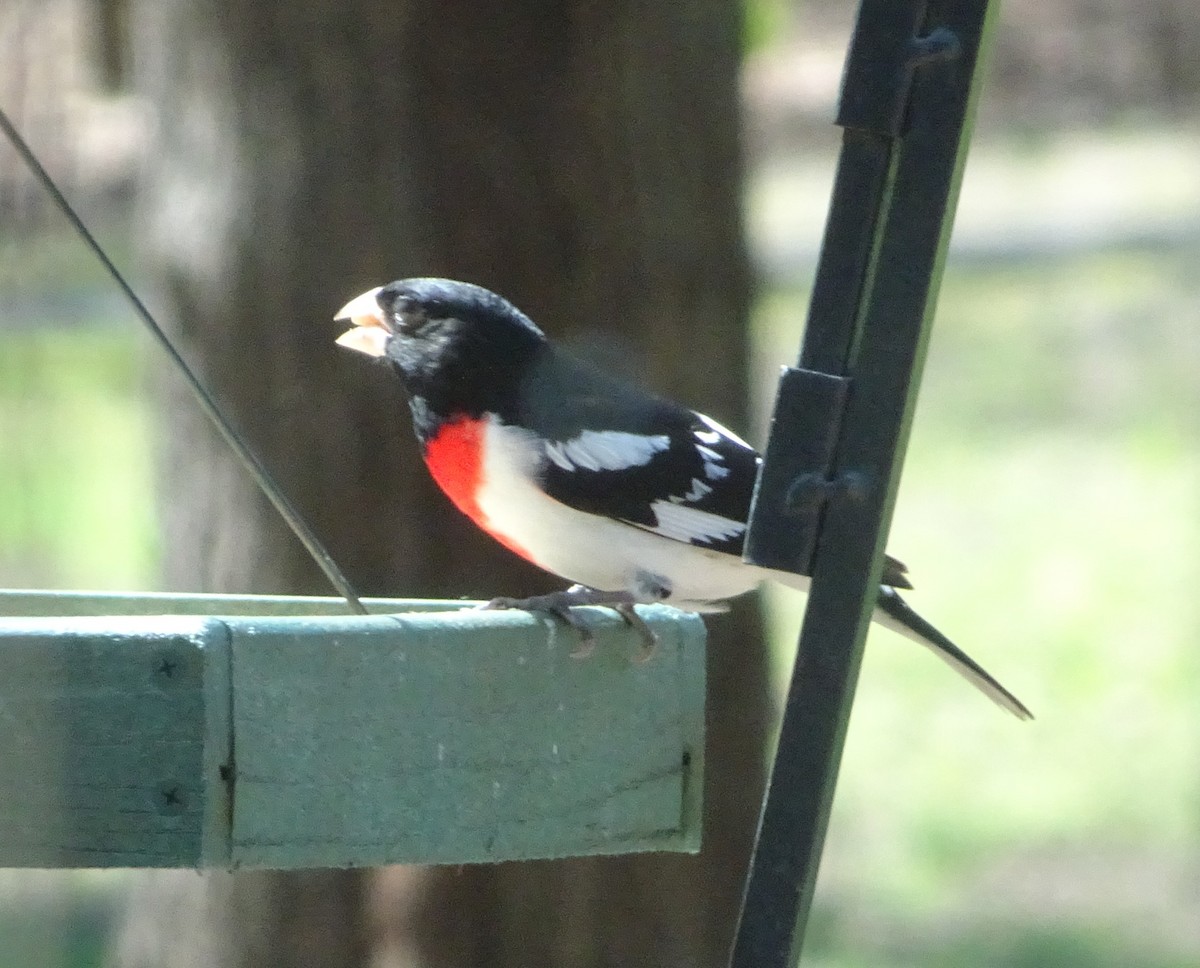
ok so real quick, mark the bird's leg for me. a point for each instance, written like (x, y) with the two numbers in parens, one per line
(559, 605)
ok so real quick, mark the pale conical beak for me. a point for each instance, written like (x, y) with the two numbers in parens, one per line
(366, 339)
(363, 310)
(370, 333)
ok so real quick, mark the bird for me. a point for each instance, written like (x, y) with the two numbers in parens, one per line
(633, 498)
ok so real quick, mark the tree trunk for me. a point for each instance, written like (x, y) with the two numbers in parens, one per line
(581, 159)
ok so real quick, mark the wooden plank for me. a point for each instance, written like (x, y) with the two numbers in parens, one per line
(102, 760)
(426, 741)
(431, 737)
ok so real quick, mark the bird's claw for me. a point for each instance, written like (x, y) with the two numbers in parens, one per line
(553, 606)
(638, 624)
(558, 605)
(587, 644)
(497, 604)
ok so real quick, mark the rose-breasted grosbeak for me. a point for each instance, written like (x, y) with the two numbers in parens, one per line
(632, 496)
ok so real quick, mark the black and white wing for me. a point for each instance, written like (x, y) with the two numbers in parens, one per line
(615, 451)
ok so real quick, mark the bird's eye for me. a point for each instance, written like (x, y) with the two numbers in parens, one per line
(408, 315)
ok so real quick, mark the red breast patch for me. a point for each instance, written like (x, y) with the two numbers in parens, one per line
(454, 456)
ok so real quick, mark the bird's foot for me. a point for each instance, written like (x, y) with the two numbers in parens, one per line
(559, 604)
(638, 624)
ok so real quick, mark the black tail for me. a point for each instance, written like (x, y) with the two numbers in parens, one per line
(893, 611)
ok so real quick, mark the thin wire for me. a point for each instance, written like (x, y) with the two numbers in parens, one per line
(248, 457)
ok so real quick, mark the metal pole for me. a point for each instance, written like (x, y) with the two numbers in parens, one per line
(824, 499)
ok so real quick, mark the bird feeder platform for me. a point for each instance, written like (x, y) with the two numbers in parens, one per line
(254, 731)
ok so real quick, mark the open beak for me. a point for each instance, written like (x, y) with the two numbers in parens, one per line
(370, 332)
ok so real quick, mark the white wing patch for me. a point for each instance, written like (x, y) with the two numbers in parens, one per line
(685, 523)
(714, 464)
(714, 428)
(698, 491)
(606, 450)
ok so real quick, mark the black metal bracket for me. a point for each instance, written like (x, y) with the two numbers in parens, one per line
(800, 451)
(824, 498)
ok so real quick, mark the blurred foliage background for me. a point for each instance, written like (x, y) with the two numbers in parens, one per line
(1049, 509)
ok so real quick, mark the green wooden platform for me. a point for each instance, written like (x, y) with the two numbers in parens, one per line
(220, 731)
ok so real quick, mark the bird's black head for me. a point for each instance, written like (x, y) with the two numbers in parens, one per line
(458, 348)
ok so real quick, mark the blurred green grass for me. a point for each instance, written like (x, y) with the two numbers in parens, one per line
(76, 489)
(76, 479)
(56, 919)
